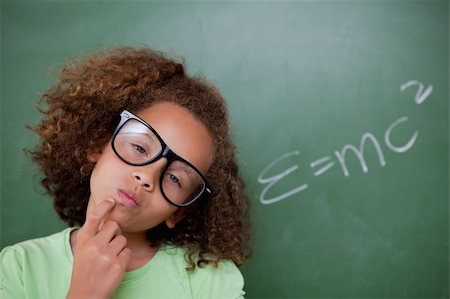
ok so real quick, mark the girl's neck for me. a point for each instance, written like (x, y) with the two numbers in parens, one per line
(141, 251)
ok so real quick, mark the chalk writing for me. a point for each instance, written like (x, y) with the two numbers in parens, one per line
(420, 96)
(276, 178)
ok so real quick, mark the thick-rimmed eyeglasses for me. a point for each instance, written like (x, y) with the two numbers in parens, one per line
(136, 143)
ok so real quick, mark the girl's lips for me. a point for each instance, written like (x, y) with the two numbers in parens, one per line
(127, 198)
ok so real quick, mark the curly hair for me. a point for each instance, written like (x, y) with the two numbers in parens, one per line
(80, 114)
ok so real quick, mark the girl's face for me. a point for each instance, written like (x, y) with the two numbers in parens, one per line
(113, 178)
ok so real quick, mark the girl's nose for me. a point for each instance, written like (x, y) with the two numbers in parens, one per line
(148, 175)
(143, 179)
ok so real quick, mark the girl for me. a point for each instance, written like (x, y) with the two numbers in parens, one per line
(139, 162)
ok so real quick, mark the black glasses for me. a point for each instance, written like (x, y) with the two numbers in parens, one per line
(136, 143)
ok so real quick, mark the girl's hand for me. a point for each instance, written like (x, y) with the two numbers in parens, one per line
(100, 256)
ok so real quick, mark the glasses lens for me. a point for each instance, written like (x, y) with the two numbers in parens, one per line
(181, 183)
(136, 143)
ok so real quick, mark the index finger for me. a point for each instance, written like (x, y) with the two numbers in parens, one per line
(93, 220)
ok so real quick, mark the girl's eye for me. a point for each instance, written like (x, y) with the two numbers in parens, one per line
(139, 149)
(173, 179)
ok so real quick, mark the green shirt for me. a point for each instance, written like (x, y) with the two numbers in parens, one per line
(41, 268)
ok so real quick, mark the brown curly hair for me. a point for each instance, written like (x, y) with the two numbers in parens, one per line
(80, 114)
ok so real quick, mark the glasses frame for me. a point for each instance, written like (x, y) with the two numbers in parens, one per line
(165, 152)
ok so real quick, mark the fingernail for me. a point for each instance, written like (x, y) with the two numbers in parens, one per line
(110, 200)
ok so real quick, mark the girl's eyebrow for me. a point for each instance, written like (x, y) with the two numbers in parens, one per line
(134, 127)
(149, 137)
(138, 128)
(189, 172)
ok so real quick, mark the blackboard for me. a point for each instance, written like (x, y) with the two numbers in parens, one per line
(340, 111)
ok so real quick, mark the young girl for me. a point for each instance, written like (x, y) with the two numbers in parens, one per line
(139, 162)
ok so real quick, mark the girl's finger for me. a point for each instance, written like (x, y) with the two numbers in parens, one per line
(109, 230)
(124, 257)
(118, 244)
(91, 226)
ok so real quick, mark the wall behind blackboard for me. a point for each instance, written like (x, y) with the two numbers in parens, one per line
(339, 109)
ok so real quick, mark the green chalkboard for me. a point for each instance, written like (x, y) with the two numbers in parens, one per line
(340, 111)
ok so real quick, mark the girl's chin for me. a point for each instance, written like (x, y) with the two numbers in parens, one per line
(118, 215)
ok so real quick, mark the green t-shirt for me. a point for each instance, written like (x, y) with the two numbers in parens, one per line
(41, 268)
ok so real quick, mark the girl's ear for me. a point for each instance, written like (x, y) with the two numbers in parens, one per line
(94, 157)
(175, 218)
